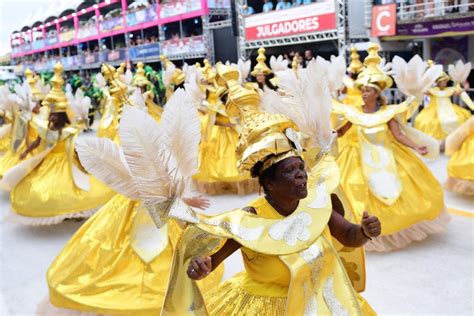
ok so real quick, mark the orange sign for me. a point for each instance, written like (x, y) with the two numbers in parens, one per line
(384, 20)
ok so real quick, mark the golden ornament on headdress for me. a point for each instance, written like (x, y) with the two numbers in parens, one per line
(356, 65)
(56, 98)
(32, 81)
(263, 137)
(116, 87)
(178, 75)
(121, 69)
(140, 79)
(261, 67)
(372, 75)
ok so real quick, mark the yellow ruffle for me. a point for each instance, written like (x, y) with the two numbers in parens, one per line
(429, 123)
(243, 296)
(49, 190)
(461, 169)
(421, 197)
(98, 270)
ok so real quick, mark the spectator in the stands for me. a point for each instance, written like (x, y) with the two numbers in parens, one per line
(307, 1)
(308, 56)
(267, 6)
(296, 3)
(248, 10)
(282, 4)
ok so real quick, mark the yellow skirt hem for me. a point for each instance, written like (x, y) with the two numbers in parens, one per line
(45, 221)
(403, 238)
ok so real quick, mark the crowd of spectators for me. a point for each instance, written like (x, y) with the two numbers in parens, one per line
(135, 41)
(270, 5)
(409, 9)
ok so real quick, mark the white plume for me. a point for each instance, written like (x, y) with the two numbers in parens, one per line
(415, 77)
(168, 74)
(137, 100)
(334, 71)
(181, 128)
(459, 71)
(101, 82)
(127, 77)
(22, 97)
(194, 91)
(142, 143)
(6, 102)
(79, 103)
(243, 66)
(278, 64)
(105, 160)
(43, 88)
(386, 67)
(310, 100)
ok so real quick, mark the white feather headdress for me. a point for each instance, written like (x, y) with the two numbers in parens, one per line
(415, 77)
(23, 97)
(459, 71)
(79, 103)
(278, 64)
(243, 66)
(308, 101)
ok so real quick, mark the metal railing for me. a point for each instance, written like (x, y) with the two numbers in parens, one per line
(435, 8)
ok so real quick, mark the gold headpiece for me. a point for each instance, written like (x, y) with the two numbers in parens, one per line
(264, 138)
(56, 98)
(261, 67)
(178, 75)
(32, 81)
(356, 65)
(373, 75)
(121, 69)
(140, 79)
(443, 76)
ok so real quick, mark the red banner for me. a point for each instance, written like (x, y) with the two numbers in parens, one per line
(311, 18)
(384, 20)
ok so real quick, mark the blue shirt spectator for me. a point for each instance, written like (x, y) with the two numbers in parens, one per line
(297, 3)
(267, 6)
(248, 10)
(281, 5)
(307, 1)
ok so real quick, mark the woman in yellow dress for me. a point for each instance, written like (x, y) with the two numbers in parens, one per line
(109, 121)
(51, 186)
(460, 146)
(6, 115)
(381, 173)
(441, 117)
(118, 262)
(291, 267)
(218, 173)
(140, 81)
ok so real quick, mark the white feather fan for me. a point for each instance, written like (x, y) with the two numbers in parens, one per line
(308, 101)
(127, 77)
(195, 93)
(44, 88)
(168, 74)
(105, 160)
(181, 130)
(79, 103)
(6, 102)
(334, 71)
(243, 67)
(100, 80)
(459, 71)
(22, 97)
(415, 77)
(137, 100)
(278, 63)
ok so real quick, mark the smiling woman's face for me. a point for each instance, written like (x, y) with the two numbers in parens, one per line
(289, 180)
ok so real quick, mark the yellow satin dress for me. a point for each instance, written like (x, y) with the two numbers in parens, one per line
(5, 143)
(11, 159)
(461, 165)
(218, 171)
(262, 289)
(108, 126)
(99, 271)
(49, 191)
(353, 98)
(441, 117)
(420, 196)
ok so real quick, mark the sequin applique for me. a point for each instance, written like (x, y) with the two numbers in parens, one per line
(292, 228)
(332, 302)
